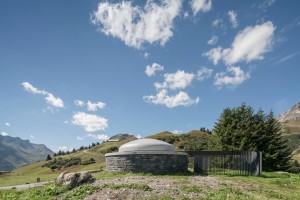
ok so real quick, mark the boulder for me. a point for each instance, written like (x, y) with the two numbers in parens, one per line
(74, 179)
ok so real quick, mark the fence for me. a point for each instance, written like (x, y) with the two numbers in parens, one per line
(228, 162)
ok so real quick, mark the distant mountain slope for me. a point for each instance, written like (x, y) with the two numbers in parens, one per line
(16, 152)
(120, 137)
(290, 121)
(290, 115)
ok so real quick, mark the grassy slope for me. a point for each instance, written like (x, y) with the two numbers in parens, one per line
(29, 173)
(268, 186)
(292, 133)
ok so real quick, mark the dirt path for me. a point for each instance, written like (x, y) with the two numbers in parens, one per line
(192, 187)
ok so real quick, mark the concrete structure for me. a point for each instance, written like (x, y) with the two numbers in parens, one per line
(147, 156)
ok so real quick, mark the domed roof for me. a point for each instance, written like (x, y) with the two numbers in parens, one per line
(146, 145)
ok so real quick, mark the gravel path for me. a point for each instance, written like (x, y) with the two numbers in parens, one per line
(191, 187)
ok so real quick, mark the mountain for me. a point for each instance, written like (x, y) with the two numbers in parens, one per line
(120, 137)
(16, 152)
(290, 121)
(291, 115)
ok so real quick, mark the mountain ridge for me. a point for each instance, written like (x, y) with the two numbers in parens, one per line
(292, 114)
(16, 152)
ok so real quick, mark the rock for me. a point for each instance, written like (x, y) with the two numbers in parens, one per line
(74, 179)
(291, 114)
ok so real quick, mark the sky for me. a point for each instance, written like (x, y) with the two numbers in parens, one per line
(77, 72)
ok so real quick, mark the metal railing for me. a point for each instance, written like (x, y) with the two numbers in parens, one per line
(228, 162)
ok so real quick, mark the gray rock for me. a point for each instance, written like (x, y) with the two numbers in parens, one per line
(74, 179)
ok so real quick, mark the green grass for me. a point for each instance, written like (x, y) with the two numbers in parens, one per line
(143, 187)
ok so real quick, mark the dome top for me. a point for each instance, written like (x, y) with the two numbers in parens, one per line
(146, 145)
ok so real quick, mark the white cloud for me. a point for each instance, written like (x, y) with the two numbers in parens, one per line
(151, 69)
(135, 25)
(177, 80)
(176, 131)
(91, 123)
(201, 5)
(102, 137)
(215, 54)
(4, 134)
(7, 124)
(232, 15)
(65, 148)
(185, 15)
(50, 99)
(204, 73)
(250, 44)
(146, 55)
(266, 4)
(213, 40)
(95, 106)
(66, 122)
(162, 98)
(31, 136)
(79, 103)
(217, 22)
(232, 77)
(138, 136)
(28, 87)
(79, 138)
(54, 101)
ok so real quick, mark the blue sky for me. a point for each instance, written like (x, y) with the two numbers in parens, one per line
(77, 72)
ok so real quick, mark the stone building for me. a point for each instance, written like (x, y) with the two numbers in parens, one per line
(147, 156)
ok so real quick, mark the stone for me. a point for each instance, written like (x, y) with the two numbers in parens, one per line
(74, 179)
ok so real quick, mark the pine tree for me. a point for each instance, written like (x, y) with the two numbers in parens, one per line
(48, 157)
(242, 129)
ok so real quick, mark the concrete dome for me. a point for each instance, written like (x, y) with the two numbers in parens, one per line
(142, 145)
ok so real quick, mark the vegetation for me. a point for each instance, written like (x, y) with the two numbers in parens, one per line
(242, 129)
(268, 186)
(48, 157)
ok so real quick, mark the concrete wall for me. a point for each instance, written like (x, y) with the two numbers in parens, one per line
(147, 163)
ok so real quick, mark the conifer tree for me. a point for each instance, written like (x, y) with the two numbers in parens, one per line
(242, 129)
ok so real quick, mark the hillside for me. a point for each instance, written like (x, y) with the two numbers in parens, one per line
(292, 134)
(290, 121)
(16, 152)
(30, 172)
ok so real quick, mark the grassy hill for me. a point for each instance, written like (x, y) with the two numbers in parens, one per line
(292, 134)
(31, 172)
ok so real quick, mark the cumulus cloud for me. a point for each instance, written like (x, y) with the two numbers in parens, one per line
(232, 15)
(250, 44)
(233, 76)
(136, 25)
(204, 73)
(102, 137)
(91, 123)
(4, 134)
(162, 98)
(178, 80)
(79, 103)
(201, 6)
(7, 124)
(151, 69)
(50, 98)
(95, 106)
(213, 40)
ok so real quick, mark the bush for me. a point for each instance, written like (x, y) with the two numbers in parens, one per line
(87, 162)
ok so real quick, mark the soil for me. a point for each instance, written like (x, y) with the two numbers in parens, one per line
(191, 187)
